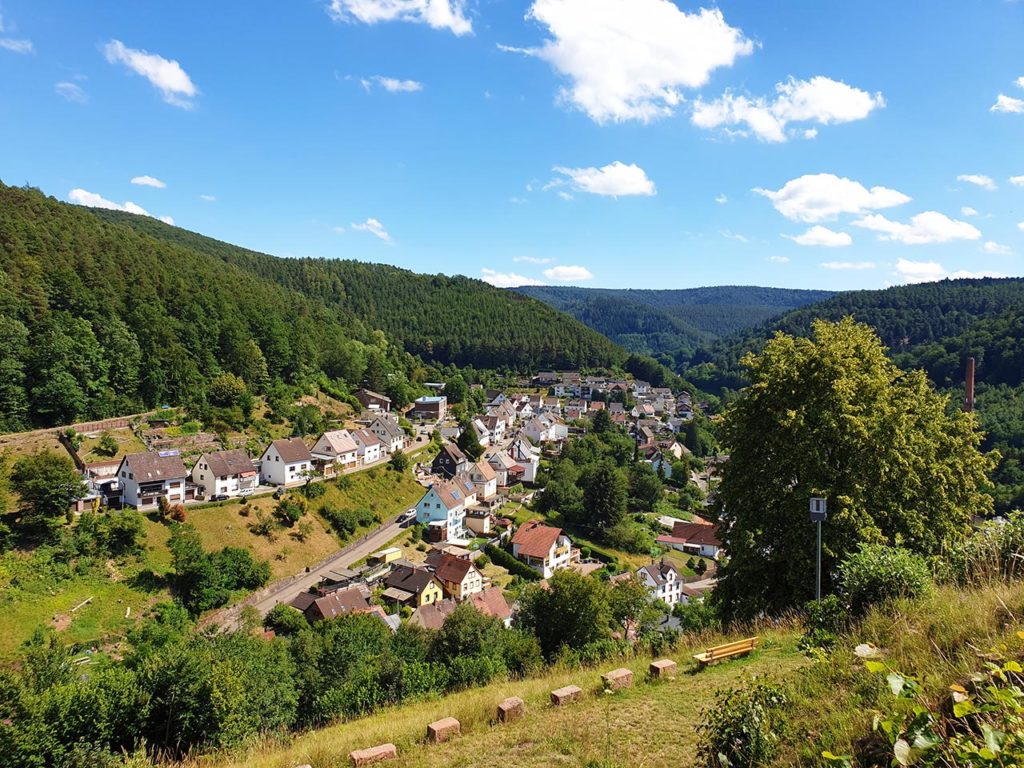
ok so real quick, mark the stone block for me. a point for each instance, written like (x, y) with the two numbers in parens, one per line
(511, 709)
(442, 730)
(618, 679)
(566, 695)
(663, 669)
(372, 755)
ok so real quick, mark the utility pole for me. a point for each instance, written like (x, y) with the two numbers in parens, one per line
(818, 514)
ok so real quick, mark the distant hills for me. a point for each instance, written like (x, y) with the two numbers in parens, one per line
(673, 323)
(102, 312)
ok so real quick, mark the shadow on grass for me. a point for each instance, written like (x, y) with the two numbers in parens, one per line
(148, 581)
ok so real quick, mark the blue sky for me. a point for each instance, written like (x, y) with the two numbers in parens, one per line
(608, 143)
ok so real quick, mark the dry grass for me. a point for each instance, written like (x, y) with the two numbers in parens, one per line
(650, 725)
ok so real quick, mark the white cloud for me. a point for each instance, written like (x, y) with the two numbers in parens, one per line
(566, 274)
(1017, 181)
(929, 271)
(847, 265)
(17, 46)
(1008, 104)
(823, 236)
(1021, 226)
(148, 181)
(439, 14)
(978, 180)
(392, 85)
(924, 229)
(565, 195)
(339, 230)
(71, 92)
(1019, 81)
(968, 211)
(778, 259)
(728, 234)
(167, 220)
(629, 59)
(997, 248)
(823, 196)
(375, 228)
(721, 199)
(819, 100)
(531, 260)
(506, 279)
(93, 200)
(165, 75)
(614, 180)
(207, 198)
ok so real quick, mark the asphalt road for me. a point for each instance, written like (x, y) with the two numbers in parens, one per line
(287, 589)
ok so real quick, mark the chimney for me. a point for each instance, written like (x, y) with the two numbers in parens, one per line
(969, 391)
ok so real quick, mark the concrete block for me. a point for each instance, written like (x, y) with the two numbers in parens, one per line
(618, 679)
(663, 669)
(566, 695)
(511, 709)
(372, 755)
(441, 730)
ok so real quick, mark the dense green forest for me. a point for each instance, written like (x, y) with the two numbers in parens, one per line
(454, 320)
(99, 318)
(672, 322)
(934, 327)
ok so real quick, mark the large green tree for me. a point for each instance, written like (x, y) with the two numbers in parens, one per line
(832, 416)
(571, 611)
(46, 483)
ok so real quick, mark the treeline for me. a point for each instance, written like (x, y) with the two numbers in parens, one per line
(439, 318)
(907, 318)
(672, 322)
(99, 319)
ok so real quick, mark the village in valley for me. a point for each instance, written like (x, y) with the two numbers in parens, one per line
(474, 534)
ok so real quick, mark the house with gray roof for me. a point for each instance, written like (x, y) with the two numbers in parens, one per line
(145, 478)
(227, 473)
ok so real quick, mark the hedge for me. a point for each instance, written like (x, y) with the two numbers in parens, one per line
(509, 563)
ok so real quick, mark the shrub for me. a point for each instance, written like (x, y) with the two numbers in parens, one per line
(510, 564)
(993, 551)
(825, 619)
(742, 727)
(697, 615)
(285, 620)
(877, 572)
(399, 461)
(290, 510)
(314, 490)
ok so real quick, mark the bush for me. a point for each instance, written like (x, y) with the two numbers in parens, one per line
(630, 537)
(697, 615)
(742, 727)
(510, 564)
(285, 620)
(876, 573)
(290, 510)
(993, 551)
(314, 490)
(399, 461)
(825, 619)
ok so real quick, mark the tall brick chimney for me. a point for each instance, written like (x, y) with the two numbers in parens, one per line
(969, 390)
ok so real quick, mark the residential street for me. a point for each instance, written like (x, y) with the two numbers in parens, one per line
(285, 590)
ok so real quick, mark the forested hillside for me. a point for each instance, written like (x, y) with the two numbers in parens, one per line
(450, 319)
(98, 318)
(934, 327)
(672, 322)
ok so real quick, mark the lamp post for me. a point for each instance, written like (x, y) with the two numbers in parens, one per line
(819, 512)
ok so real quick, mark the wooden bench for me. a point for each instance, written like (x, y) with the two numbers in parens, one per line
(719, 652)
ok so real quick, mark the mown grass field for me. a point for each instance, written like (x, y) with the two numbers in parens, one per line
(651, 725)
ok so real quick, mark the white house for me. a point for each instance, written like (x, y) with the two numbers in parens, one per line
(145, 478)
(391, 435)
(460, 578)
(536, 430)
(337, 447)
(527, 457)
(485, 480)
(483, 434)
(502, 464)
(369, 446)
(698, 538)
(543, 548)
(225, 473)
(663, 580)
(286, 462)
(444, 504)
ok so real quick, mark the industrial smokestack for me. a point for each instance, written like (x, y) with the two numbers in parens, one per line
(969, 390)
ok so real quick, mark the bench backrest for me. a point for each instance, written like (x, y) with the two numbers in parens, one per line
(734, 647)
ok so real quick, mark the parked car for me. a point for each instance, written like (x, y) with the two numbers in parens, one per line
(219, 497)
(407, 518)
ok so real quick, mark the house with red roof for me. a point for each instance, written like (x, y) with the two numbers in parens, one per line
(542, 547)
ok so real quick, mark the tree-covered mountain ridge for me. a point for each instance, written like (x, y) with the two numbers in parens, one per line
(672, 322)
(102, 313)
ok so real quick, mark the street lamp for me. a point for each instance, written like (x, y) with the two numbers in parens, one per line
(819, 512)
